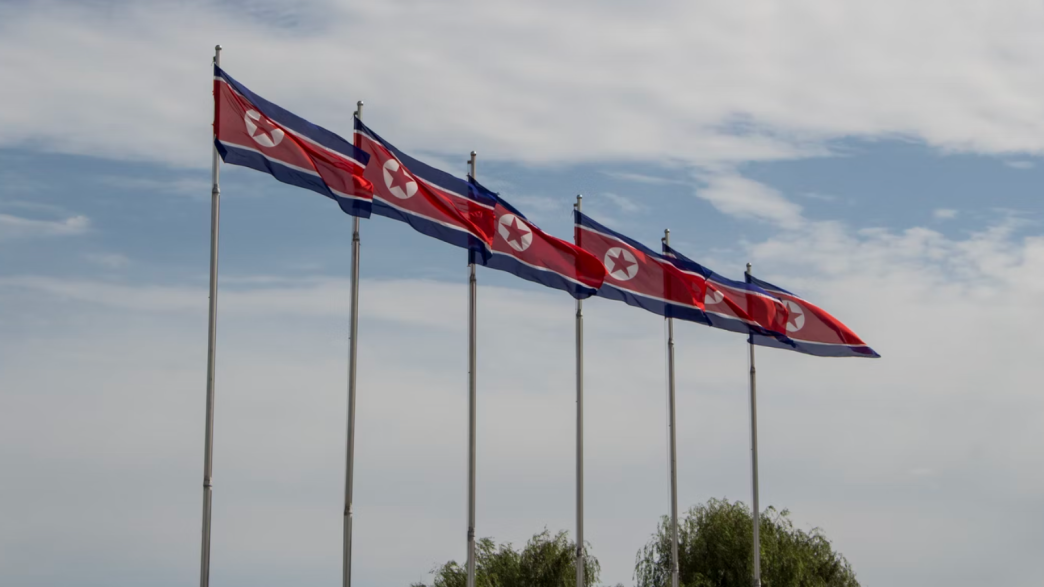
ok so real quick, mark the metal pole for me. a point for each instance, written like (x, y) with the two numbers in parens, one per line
(674, 449)
(353, 339)
(472, 400)
(208, 442)
(754, 457)
(580, 579)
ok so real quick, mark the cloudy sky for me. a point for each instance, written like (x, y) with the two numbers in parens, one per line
(881, 159)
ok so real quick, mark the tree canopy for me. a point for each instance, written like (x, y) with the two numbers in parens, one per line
(715, 550)
(546, 561)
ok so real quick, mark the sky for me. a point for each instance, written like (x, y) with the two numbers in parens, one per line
(880, 159)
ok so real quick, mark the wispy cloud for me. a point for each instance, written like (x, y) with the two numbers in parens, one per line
(542, 208)
(1021, 164)
(108, 260)
(197, 187)
(275, 296)
(820, 197)
(49, 209)
(542, 204)
(742, 197)
(623, 203)
(944, 213)
(642, 178)
(12, 227)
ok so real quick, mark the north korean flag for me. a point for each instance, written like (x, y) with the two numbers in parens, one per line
(433, 202)
(638, 276)
(733, 305)
(521, 248)
(253, 132)
(810, 329)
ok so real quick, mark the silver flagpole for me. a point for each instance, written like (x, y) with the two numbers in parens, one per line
(580, 579)
(472, 400)
(674, 450)
(208, 442)
(754, 457)
(353, 339)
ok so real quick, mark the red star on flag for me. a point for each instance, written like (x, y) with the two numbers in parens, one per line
(516, 231)
(401, 178)
(620, 263)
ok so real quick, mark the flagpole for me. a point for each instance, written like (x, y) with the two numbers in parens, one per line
(472, 400)
(580, 579)
(353, 339)
(208, 442)
(754, 455)
(673, 441)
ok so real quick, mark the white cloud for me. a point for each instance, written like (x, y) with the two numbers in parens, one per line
(742, 197)
(106, 376)
(878, 453)
(692, 82)
(12, 227)
(944, 213)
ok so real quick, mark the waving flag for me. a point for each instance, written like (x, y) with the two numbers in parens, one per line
(520, 247)
(253, 132)
(810, 329)
(734, 305)
(433, 202)
(638, 276)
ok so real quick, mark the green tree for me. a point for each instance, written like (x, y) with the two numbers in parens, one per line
(715, 550)
(546, 561)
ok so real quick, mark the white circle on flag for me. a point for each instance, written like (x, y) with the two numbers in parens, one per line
(796, 318)
(621, 263)
(515, 232)
(398, 180)
(713, 296)
(265, 139)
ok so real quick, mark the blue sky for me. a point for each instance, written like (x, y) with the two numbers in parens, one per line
(883, 161)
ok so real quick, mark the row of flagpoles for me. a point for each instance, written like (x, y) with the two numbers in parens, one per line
(369, 175)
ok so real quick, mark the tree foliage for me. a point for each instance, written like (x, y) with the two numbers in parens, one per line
(546, 561)
(715, 551)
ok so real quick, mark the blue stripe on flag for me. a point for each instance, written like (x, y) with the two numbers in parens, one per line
(545, 277)
(288, 175)
(455, 236)
(814, 349)
(665, 309)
